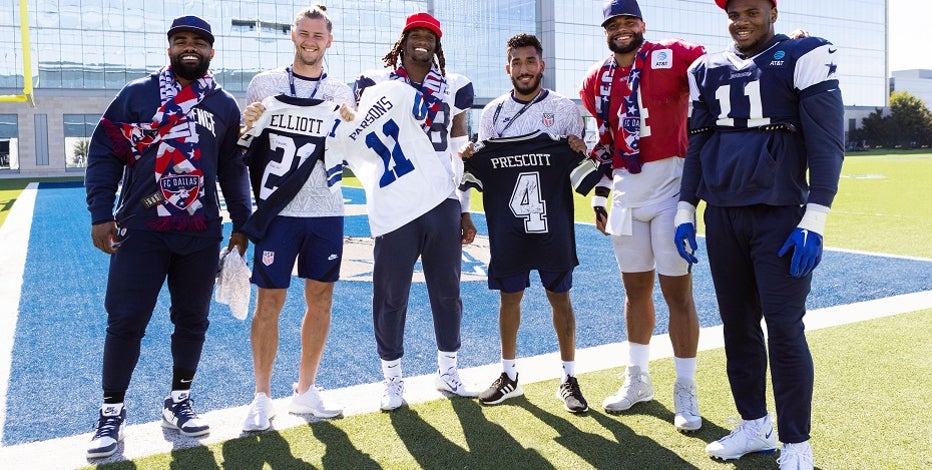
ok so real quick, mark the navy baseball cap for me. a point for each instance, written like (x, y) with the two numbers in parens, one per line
(191, 24)
(614, 8)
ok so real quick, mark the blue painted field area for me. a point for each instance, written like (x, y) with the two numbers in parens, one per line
(54, 388)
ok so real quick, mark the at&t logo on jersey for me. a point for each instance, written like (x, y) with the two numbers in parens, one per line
(778, 59)
(662, 59)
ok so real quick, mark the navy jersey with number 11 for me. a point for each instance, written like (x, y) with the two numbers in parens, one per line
(526, 184)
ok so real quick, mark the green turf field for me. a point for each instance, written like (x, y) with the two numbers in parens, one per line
(872, 408)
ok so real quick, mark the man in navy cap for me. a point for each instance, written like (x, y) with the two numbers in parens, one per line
(765, 153)
(639, 96)
(171, 137)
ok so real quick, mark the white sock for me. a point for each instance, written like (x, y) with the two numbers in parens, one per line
(569, 370)
(510, 367)
(639, 355)
(685, 369)
(446, 360)
(391, 368)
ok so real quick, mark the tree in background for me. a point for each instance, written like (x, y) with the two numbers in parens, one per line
(908, 124)
(80, 152)
(911, 120)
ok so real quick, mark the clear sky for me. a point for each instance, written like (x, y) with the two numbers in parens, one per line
(908, 23)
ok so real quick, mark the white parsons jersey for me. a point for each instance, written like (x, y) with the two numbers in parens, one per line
(314, 199)
(549, 112)
(387, 149)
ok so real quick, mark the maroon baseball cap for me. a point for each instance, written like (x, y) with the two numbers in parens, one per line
(723, 3)
(423, 20)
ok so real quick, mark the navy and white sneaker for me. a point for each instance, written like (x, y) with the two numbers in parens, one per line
(109, 433)
(178, 413)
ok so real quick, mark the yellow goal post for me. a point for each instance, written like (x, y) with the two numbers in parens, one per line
(27, 60)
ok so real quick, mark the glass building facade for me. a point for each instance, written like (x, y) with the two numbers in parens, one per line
(83, 51)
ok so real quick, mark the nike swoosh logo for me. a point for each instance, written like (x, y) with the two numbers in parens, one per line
(768, 434)
(185, 381)
(832, 51)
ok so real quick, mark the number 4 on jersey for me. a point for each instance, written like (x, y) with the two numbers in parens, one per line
(526, 203)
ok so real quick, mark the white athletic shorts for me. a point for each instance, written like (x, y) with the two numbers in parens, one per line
(650, 245)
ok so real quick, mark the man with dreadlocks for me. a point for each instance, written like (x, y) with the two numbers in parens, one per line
(436, 235)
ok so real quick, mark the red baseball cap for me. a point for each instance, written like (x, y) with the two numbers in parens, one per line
(723, 3)
(423, 20)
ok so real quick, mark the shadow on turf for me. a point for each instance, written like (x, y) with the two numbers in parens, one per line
(489, 444)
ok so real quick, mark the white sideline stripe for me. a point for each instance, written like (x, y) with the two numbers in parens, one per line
(147, 439)
(14, 238)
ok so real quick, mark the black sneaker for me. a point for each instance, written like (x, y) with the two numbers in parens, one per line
(572, 397)
(181, 416)
(502, 389)
(109, 432)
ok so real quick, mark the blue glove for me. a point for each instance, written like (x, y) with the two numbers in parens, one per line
(807, 251)
(686, 236)
(685, 223)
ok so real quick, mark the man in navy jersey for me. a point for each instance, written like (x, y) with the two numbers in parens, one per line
(765, 111)
(639, 96)
(527, 108)
(306, 222)
(437, 236)
(171, 137)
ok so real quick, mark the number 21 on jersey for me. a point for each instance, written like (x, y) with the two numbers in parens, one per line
(527, 204)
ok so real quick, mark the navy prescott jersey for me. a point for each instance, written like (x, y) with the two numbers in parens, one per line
(282, 148)
(759, 123)
(526, 183)
(387, 149)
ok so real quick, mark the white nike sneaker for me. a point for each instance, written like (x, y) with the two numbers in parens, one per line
(686, 405)
(393, 397)
(747, 437)
(449, 381)
(796, 456)
(260, 414)
(310, 402)
(637, 388)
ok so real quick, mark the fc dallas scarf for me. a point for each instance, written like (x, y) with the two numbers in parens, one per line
(628, 151)
(178, 172)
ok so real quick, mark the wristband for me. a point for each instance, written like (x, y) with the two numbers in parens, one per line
(685, 214)
(814, 218)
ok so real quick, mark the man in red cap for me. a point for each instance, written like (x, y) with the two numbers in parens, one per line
(435, 236)
(639, 96)
(765, 153)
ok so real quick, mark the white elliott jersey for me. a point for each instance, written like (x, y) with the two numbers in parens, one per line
(387, 149)
(314, 199)
(553, 113)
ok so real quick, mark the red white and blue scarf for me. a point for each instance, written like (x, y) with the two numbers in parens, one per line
(628, 151)
(178, 173)
(434, 88)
